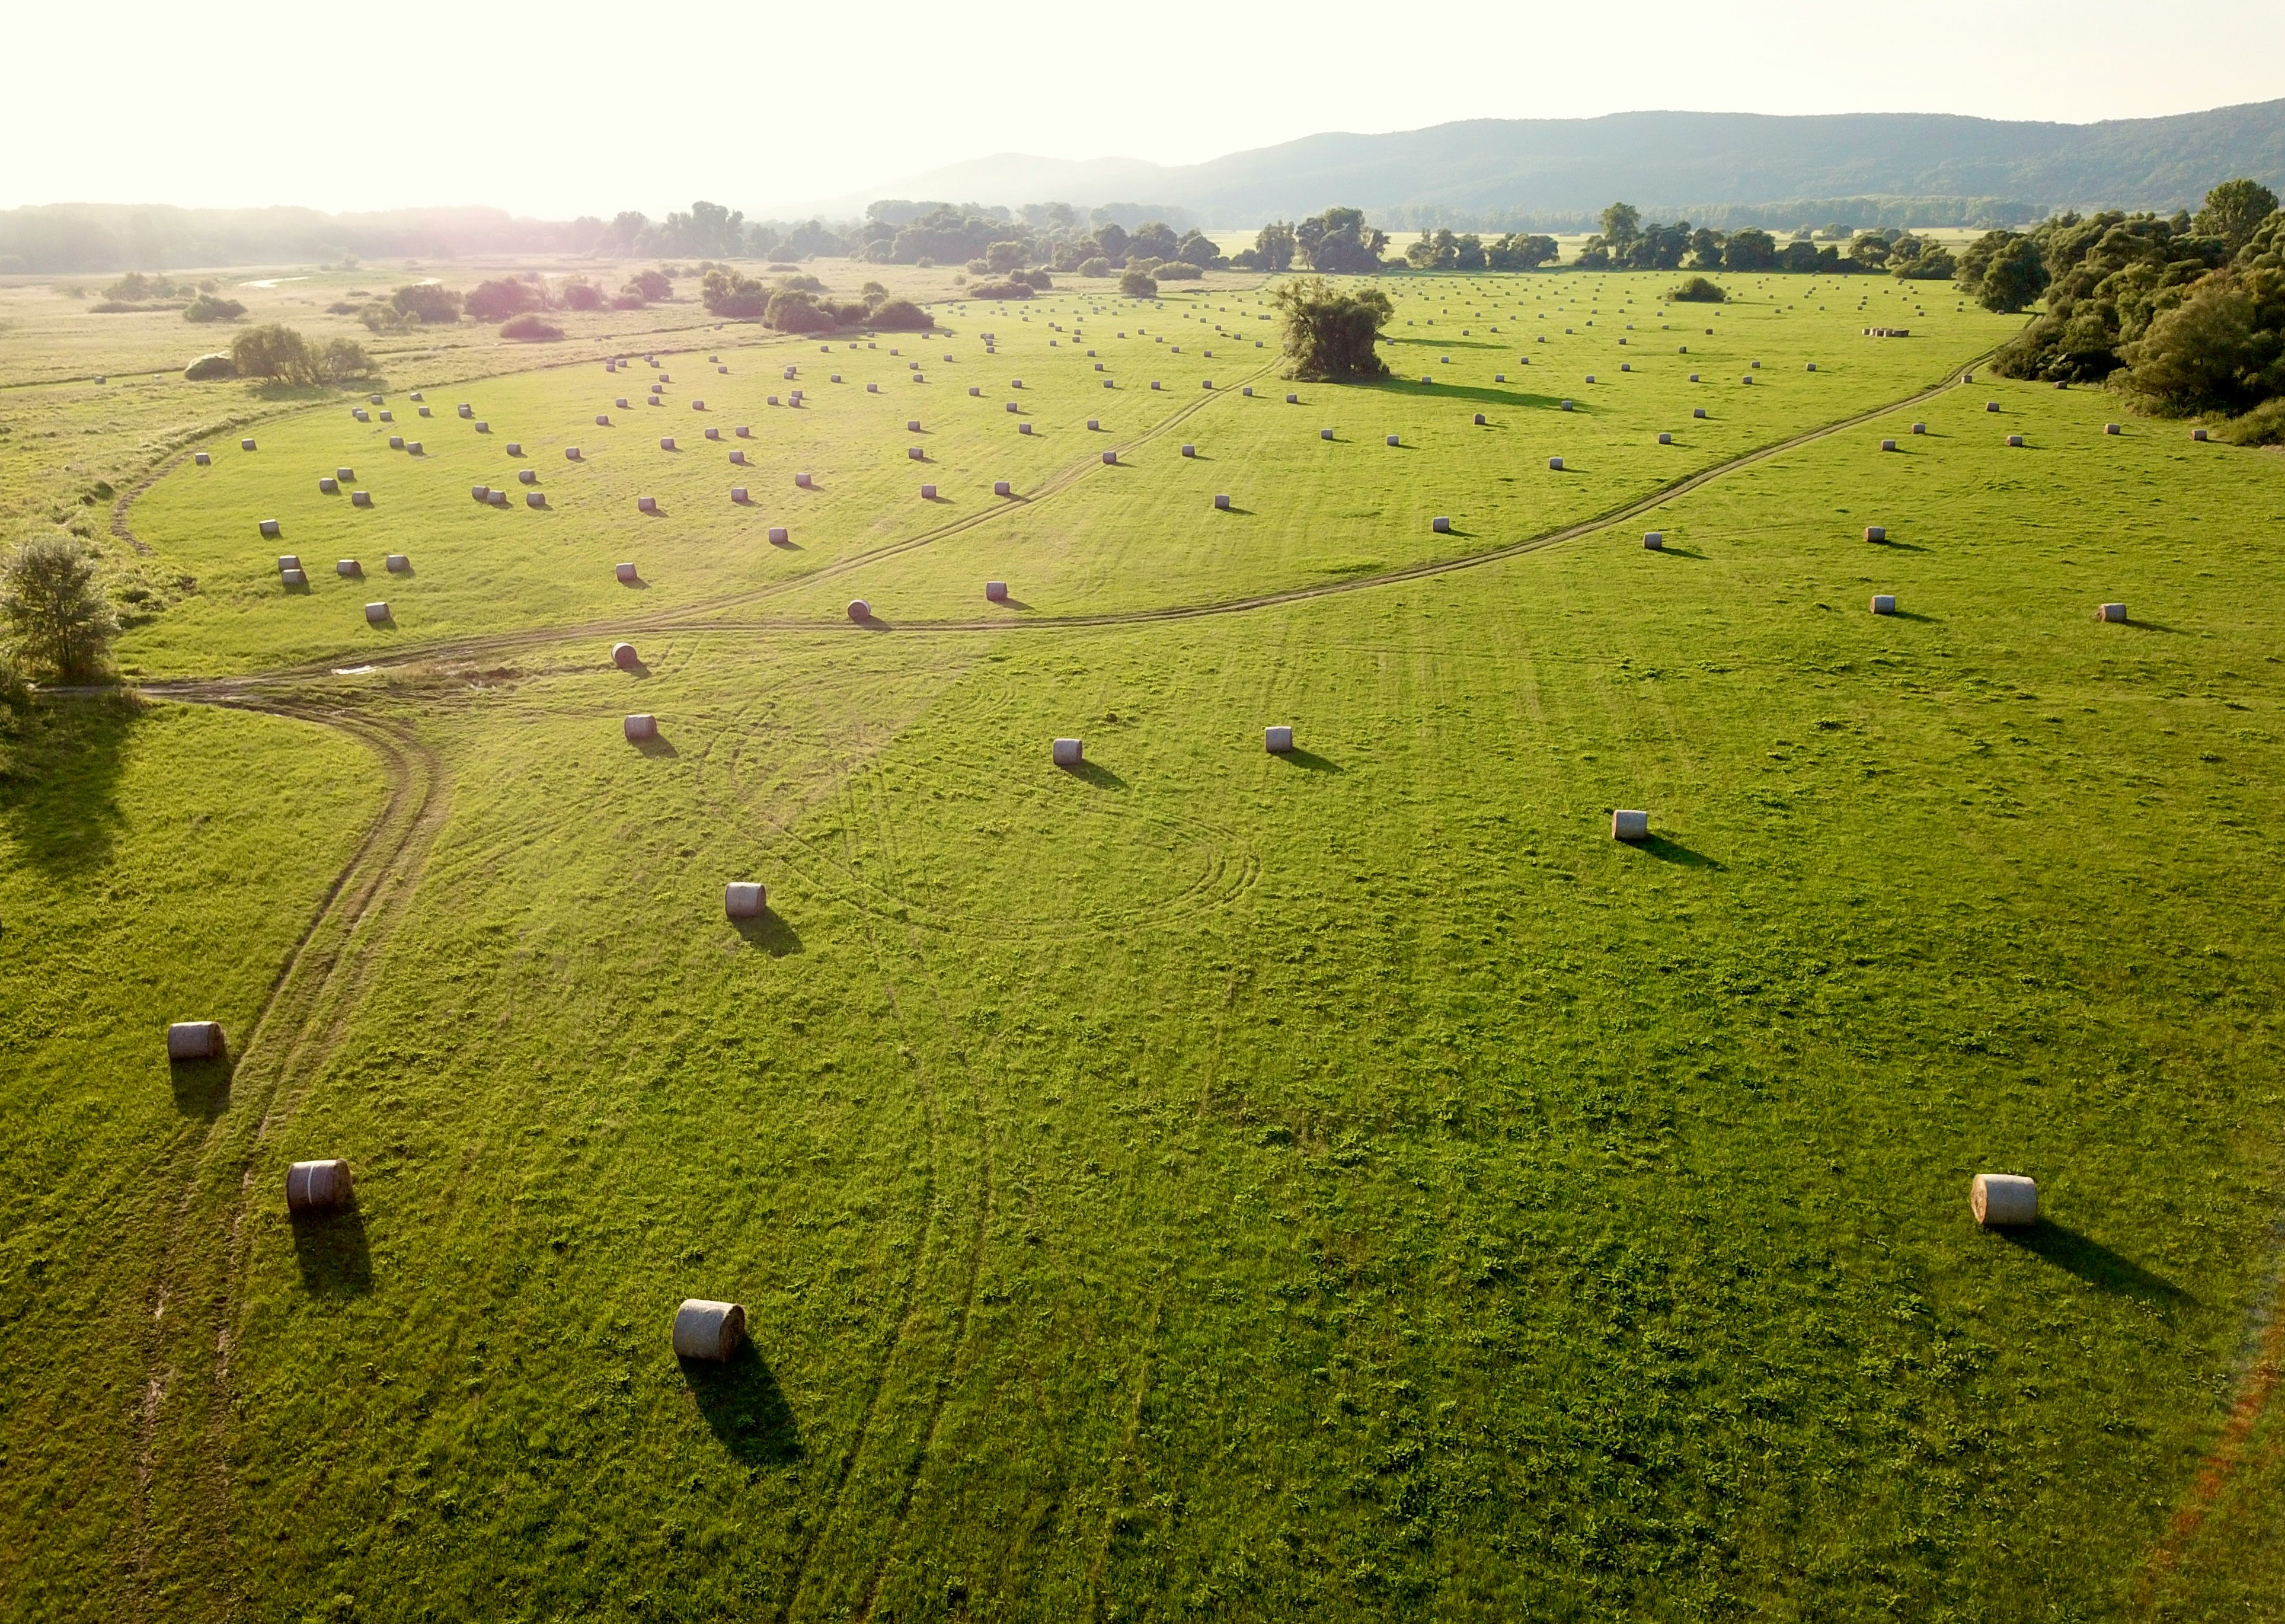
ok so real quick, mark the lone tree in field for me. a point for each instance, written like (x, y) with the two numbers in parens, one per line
(1329, 333)
(57, 617)
(1698, 290)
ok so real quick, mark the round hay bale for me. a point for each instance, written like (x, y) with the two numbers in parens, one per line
(1887, 445)
(1325, 434)
(928, 493)
(1023, 428)
(1479, 420)
(288, 561)
(2003, 1200)
(707, 1330)
(319, 1187)
(2015, 442)
(195, 1040)
(396, 563)
(996, 591)
(1095, 425)
(327, 485)
(1655, 541)
(779, 537)
(640, 727)
(666, 443)
(1698, 412)
(646, 503)
(1292, 400)
(535, 499)
(1666, 439)
(1067, 752)
(1630, 825)
(1876, 532)
(201, 459)
(745, 898)
(348, 569)
(1440, 525)
(360, 498)
(1555, 465)
(527, 476)
(294, 577)
(515, 447)
(625, 573)
(1000, 487)
(2110, 429)
(1110, 459)
(1189, 451)
(376, 613)
(1992, 406)
(859, 610)
(1884, 603)
(713, 434)
(246, 445)
(270, 528)
(738, 494)
(742, 432)
(1277, 740)
(2113, 613)
(480, 493)
(1221, 503)
(2198, 434)
(571, 453)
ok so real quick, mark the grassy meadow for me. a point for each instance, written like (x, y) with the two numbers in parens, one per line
(1203, 1184)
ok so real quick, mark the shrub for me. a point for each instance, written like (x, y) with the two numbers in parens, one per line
(497, 301)
(1001, 290)
(738, 297)
(581, 295)
(795, 309)
(273, 350)
(342, 359)
(531, 329)
(874, 293)
(978, 267)
(1698, 290)
(803, 280)
(206, 307)
(2206, 353)
(342, 307)
(900, 316)
(426, 302)
(651, 285)
(206, 369)
(1004, 257)
(1178, 270)
(1138, 283)
(626, 302)
(1040, 281)
(59, 620)
(1329, 334)
(2265, 425)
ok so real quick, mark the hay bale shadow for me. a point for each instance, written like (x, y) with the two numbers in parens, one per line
(771, 932)
(742, 1405)
(1673, 852)
(1309, 761)
(333, 1253)
(2088, 1258)
(657, 744)
(201, 1087)
(1091, 773)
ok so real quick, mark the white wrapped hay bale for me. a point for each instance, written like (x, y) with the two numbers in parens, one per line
(1630, 825)
(625, 573)
(396, 563)
(1655, 541)
(859, 610)
(2110, 429)
(328, 486)
(2015, 442)
(1876, 532)
(1110, 459)
(996, 591)
(638, 727)
(2113, 613)
(623, 656)
(319, 1187)
(745, 898)
(360, 498)
(646, 503)
(1440, 525)
(269, 527)
(1277, 740)
(706, 1330)
(1479, 420)
(1000, 487)
(1666, 439)
(1067, 752)
(928, 493)
(802, 480)
(1884, 603)
(376, 613)
(195, 1040)
(2003, 1200)
(348, 569)
(1887, 445)
(246, 445)
(2198, 434)
(738, 494)
(1555, 465)
(1221, 502)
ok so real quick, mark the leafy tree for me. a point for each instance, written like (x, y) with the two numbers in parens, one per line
(1594, 255)
(1002, 257)
(1657, 248)
(58, 618)
(733, 296)
(1931, 262)
(1155, 239)
(1706, 249)
(1801, 255)
(1329, 333)
(652, 286)
(273, 350)
(207, 307)
(1110, 236)
(1750, 249)
(1137, 284)
(428, 303)
(1621, 224)
(1436, 250)
(342, 359)
(502, 298)
(1274, 247)
(2235, 210)
(1097, 266)
(579, 295)
(1339, 241)
(1517, 251)
(2015, 275)
(1869, 252)
(796, 309)
(1198, 249)
(2208, 353)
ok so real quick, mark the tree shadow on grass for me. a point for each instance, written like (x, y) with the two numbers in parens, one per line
(2093, 1262)
(201, 1087)
(747, 1410)
(59, 781)
(330, 1249)
(771, 932)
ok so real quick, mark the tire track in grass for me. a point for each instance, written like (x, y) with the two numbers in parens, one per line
(187, 1441)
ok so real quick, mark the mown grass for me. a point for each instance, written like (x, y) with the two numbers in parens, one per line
(141, 883)
(1142, 533)
(1348, 1184)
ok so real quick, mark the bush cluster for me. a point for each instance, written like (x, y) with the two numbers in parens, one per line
(1329, 333)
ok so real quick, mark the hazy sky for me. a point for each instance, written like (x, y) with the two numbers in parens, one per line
(573, 107)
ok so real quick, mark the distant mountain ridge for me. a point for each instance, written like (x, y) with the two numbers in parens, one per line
(1666, 163)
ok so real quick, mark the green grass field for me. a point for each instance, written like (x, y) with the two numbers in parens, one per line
(1204, 1184)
